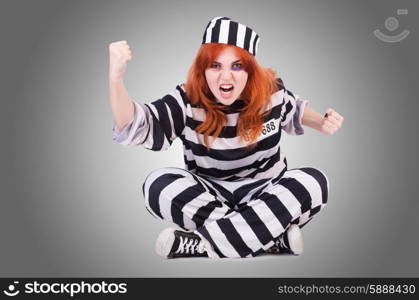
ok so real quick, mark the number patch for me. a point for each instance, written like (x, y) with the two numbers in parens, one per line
(269, 128)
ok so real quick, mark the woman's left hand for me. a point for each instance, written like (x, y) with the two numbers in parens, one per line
(331, 122)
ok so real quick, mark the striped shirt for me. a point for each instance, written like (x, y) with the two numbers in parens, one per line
(157, 124)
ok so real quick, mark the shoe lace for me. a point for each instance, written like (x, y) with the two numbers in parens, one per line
(190, 246)
(281, 243)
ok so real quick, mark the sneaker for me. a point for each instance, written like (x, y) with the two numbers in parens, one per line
(172, 243)
(289, 243)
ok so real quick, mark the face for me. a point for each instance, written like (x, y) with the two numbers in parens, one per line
(226, 77)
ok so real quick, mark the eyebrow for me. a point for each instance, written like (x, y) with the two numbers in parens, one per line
(231, 63)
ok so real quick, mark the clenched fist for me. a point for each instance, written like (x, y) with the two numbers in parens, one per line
(331, 122)
(119, 55)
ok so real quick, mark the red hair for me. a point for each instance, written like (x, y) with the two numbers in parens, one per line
(260, 85)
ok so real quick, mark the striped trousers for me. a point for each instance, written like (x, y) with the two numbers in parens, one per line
(238, 219)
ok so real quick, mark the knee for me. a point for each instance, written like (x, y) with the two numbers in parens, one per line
(322, 181)
(155, 182)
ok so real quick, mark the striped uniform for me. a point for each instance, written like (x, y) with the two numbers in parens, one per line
(239, 200)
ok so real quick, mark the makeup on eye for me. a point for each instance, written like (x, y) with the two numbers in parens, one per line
(236, 66)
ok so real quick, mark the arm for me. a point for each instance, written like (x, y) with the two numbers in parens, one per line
(327, 124)
(298, 113)
(122, 106)
(153, 125)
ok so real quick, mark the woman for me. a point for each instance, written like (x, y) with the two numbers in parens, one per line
(235, 197)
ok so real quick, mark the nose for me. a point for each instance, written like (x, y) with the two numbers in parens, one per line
(226, 74)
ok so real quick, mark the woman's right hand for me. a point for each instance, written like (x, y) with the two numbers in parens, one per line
(119, 55)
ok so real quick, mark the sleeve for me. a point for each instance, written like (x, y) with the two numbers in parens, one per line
(293, 110)
(156, 124)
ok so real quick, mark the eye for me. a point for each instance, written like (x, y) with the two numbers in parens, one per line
(237, 66)
(214, 66)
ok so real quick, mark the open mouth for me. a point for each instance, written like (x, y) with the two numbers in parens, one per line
(226, 88)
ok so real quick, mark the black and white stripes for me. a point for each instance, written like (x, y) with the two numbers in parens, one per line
(157, 124)
(239, 200)
(238, 219)
(226, 31)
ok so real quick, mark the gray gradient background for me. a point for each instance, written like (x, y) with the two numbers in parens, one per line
(71, 202)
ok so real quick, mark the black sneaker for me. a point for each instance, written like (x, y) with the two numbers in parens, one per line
(291, 242)
(172, 243)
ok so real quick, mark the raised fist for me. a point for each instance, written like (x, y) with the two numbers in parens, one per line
(331, 122)
(119, 55)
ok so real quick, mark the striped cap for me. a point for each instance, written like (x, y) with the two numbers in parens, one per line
(226, 31)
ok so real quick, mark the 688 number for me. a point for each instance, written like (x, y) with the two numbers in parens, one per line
(268, 127)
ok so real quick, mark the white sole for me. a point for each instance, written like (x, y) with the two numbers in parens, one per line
(295, 239)
(164, 242)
